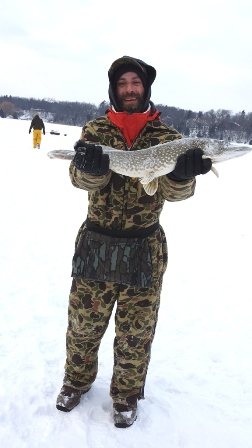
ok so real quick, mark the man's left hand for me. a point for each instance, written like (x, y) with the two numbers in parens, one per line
(190, 164)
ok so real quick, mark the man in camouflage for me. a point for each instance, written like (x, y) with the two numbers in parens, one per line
(120, 250)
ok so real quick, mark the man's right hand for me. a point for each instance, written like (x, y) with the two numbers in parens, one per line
(90, 159)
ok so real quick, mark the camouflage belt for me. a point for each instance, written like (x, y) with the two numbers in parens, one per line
(141, 233)
(114, 259)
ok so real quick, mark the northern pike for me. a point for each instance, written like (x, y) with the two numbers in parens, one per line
(150, 163)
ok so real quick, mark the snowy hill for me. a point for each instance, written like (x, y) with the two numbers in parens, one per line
(199, 385)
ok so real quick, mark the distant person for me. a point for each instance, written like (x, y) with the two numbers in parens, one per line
(37, 125)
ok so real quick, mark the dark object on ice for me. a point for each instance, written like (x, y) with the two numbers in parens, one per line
(55, 132)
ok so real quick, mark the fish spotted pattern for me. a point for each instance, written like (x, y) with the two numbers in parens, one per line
(150, 163)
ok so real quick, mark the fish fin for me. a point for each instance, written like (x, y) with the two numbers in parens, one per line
(151, 187)
(63, 154)
(214, 170)
(147, 178)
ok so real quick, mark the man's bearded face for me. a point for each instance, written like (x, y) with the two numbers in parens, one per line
(130, 92)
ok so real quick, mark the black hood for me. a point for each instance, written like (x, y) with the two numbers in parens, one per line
(146, 72)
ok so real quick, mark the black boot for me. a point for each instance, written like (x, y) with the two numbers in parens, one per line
(124, 416)
(68, 398)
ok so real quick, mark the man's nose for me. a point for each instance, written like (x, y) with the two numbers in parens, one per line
(129, 88)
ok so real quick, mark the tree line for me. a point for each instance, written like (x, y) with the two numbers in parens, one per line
(220, 124)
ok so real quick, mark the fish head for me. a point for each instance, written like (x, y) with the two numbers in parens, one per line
(220, 150)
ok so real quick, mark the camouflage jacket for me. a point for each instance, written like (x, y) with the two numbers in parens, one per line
(120, 202)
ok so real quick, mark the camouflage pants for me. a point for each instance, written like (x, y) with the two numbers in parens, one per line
(90, 307)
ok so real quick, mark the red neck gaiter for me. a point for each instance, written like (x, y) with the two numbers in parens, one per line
(131, 124)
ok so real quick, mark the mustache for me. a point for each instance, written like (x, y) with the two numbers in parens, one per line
(131, 95)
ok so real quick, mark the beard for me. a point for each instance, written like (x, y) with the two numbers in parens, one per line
(131, 108)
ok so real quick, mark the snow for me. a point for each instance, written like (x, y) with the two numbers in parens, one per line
(199, 385)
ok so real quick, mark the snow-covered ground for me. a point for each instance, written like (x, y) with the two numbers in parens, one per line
(199, 385)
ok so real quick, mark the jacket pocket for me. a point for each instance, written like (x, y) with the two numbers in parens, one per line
(107, 258)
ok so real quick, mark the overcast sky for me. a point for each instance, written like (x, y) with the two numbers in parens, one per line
(62, 49)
